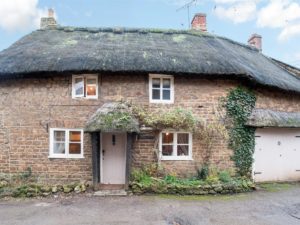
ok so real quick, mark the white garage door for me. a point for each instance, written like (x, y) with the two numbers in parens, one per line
(277, 155)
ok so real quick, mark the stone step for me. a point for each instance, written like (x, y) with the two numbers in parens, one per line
(111, 193)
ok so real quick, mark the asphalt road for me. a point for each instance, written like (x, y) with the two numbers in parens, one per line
(261, 207)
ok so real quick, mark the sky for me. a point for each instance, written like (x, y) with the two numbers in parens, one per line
(278, 21)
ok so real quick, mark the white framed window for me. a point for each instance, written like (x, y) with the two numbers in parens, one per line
(175, 145)
(66, 143)
(161, 88)
(85, 86)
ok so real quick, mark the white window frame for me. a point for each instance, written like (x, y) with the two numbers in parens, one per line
(161, 77)
(67, 141)
(176, 157)
(84, 77)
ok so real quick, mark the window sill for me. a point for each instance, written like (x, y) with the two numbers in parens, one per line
(161, 102)
(176, 159)
(65, 157)
(85, 98)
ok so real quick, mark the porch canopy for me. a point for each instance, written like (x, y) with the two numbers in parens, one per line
(270, 118)
(113, 117)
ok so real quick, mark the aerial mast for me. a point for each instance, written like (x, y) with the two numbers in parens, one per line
(187, 6)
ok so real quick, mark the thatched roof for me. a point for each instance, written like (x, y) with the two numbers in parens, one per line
(67, 49)
(113, 117)
(285, 66)
(269, 118)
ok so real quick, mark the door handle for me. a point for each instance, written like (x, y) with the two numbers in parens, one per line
(103, 151)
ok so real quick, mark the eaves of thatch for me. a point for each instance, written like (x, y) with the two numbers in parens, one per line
(269, 118)
(289, 68)
(76, 50)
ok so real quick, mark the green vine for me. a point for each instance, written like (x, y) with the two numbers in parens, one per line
(239, 104)
(178, 118)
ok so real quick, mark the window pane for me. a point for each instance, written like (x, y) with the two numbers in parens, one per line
(75, 136)
(166, 83)
(91, 81)
(79, 86)
(166, 94)
(59, 148)
(59, 136)
(155, 94)
(167, 150)
(91, 90)
(156, 83)
(74, 148)
(182, 138)
(167, 138)
(182, 150)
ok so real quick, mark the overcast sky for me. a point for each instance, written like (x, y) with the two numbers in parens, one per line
(278, 21)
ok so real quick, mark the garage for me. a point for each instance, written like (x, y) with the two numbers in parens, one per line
(277, 154)
(277, 145)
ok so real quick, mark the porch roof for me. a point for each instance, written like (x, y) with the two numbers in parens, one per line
(113, 117)
(270, 118)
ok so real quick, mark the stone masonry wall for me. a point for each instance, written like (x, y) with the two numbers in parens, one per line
(29, 107)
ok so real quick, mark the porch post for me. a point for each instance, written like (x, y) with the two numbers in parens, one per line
(96, 157)
(129, 146)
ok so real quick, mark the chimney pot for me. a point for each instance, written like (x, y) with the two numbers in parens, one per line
(50, 13)
(199, 22)
(48, 22)
(255, 40)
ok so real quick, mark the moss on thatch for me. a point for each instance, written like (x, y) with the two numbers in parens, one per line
(73, 49)
(269, 118)
(113, 117)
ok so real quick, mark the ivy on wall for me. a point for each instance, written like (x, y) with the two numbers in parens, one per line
(239, 104)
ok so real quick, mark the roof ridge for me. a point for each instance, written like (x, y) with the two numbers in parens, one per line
(119, 30)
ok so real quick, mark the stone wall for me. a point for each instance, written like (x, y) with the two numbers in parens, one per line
(29, 107)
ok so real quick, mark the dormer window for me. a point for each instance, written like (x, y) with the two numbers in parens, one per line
(161, 88)
(85, 86)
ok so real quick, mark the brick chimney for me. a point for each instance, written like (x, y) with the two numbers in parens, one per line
(199, 22)
(48, 22)
(256, 41)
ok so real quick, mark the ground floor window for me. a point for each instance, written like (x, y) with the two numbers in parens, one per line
(66, 143)
(175, 145)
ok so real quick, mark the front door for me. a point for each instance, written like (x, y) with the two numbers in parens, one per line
(113, 156)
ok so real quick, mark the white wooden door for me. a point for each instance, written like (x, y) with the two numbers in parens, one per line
(113, 158)
(277, 155)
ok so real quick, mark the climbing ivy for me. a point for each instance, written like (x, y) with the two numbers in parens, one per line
(239, 104)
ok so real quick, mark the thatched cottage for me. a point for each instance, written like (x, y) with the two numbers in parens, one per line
(64, 94)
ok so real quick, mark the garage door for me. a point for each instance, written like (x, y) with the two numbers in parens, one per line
(277, 155)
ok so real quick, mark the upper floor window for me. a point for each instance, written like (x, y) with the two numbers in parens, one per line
(175, 145)
(161, 88)
(85, 86)
(66, 143)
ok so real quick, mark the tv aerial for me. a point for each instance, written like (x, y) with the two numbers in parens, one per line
(187, 6)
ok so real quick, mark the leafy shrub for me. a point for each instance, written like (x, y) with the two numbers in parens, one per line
(203, 172)
(169, 179)
(177, 118)
(140, 176)
(212, 179)
(152, 170)
(225, 177)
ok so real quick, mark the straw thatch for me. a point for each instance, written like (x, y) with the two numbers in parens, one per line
(269, 118)
(113, 117)
(67, 49)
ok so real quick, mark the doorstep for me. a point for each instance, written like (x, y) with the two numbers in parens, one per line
(120, 192)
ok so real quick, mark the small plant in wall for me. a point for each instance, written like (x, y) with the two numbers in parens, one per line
(239, 104)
